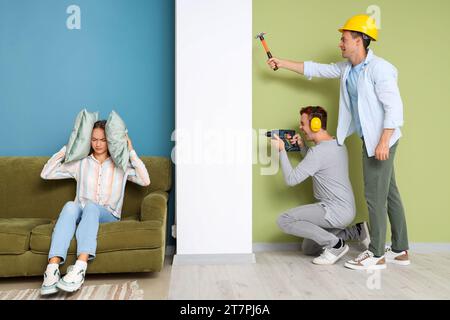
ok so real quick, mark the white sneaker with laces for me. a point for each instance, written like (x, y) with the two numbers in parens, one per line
(51, 278)
(365, 261)
(400, 258)
(331, 255)
(73, 280)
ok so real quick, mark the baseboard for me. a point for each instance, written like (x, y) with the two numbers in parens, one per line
(429, 247)
(418, 247)
(279, 246)
(227, 258)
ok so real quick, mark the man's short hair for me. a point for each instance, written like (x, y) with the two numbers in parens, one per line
(365, 38)
(316, 110)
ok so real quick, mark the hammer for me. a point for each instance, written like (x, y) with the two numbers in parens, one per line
(263, 41)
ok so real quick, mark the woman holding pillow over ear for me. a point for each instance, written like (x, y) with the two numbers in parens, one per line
(99, 199)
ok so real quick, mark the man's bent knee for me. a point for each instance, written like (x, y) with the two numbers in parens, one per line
(283, 221)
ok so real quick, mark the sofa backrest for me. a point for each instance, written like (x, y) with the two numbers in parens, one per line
(24, 194)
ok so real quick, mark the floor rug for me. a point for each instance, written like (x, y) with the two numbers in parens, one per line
(124, 291)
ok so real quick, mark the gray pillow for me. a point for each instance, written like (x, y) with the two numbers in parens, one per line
(116, 135)
(79, 143)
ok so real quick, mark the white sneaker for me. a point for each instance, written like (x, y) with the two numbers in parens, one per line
(331, 255)
(363, 227)
(51, 278)
(73, 280)
(365, 261)
(400, 258)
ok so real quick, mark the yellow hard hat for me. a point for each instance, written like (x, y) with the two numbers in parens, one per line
(362, 23)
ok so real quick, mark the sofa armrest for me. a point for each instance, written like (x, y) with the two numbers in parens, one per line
(154, 206)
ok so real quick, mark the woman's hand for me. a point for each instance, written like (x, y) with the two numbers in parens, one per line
(130, 145)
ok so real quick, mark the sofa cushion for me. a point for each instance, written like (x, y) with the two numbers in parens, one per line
(114, 236)
(15, 234)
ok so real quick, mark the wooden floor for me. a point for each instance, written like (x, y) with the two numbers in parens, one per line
(283, 275)
(291, 275)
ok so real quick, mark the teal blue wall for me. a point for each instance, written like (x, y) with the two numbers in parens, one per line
(122, 58)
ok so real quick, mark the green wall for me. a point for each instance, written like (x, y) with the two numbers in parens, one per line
(414, 36)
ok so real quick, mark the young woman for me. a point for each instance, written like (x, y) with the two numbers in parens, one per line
(99, 199)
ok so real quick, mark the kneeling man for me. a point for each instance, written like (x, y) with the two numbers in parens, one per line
(323, 224)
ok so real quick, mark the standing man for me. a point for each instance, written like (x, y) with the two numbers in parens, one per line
(370, 105)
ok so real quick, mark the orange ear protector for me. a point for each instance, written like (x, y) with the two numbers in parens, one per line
(316, 121)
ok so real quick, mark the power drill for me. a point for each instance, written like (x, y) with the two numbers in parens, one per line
(285, 135)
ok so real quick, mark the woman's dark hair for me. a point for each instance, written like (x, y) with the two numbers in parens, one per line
(101, 124)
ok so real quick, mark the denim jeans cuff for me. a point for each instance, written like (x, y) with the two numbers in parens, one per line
(91, 253)
(61, 256)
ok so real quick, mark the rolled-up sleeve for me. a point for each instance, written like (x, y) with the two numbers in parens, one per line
(388, 93)
(313, 69)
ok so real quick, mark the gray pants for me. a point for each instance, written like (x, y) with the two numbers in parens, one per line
(309, 222)
(383, 201)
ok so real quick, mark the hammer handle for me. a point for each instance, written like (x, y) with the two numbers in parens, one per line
(270, 56)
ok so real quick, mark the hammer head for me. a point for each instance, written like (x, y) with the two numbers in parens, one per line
(260, 35)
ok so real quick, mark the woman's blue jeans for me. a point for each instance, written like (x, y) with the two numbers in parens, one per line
(87, 219)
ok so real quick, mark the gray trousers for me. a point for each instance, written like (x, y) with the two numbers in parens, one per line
(383, 201)
(309, 222)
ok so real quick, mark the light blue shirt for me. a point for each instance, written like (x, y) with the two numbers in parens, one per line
(352, 88)
(379, 103)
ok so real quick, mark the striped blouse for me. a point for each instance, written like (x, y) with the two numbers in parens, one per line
(103, 184)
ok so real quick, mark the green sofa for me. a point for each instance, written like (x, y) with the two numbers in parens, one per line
(29, 207)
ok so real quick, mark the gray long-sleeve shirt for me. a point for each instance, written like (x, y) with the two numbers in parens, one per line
(327, 164)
